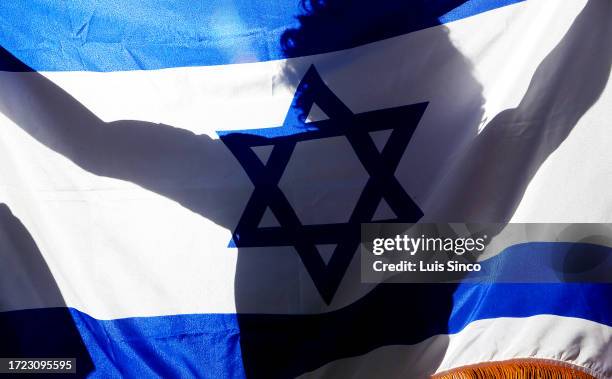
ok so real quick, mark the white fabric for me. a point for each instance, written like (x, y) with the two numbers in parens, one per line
(575, 341)
(117, 249)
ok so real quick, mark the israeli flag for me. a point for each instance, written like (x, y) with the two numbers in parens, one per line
(183, 183)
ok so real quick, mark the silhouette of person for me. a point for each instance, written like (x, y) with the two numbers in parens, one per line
(482, 179)
(184, 167)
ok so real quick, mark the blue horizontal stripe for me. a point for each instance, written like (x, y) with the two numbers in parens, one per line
(51, 35)
(185, 346)
(215, 345)
(280, 346)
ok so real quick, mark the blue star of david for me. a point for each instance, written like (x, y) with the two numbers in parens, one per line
(380, 165)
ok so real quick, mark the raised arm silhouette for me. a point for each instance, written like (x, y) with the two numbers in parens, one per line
(488, 180)
(173, 162)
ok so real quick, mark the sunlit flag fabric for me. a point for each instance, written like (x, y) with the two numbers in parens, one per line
(183, 182)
